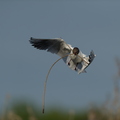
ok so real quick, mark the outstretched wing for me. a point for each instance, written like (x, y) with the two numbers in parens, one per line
(56, 45)
(51, 45)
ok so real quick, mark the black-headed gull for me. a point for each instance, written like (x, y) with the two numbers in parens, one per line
(73, 57)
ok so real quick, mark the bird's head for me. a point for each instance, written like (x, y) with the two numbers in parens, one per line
(76, 51)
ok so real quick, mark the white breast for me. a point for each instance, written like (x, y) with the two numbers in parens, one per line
(75, 58)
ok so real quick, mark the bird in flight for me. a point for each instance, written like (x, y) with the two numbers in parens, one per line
(72, 56)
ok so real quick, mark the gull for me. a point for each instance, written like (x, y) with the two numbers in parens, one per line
(72, 56)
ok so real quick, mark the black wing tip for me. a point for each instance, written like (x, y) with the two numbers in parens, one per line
(31, 40)
(37, 43)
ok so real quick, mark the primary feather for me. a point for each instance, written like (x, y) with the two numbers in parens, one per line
(51, 45)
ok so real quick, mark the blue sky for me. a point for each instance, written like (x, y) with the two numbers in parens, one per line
(87, 25)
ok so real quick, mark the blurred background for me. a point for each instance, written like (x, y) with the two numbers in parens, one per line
(88, 25)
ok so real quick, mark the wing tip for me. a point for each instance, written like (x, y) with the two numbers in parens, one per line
(32, 40)
(92, 52)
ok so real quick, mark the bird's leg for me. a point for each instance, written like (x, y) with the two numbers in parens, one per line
(69, 62)
(76, 66)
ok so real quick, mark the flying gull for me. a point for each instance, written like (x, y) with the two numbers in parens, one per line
(73, 57)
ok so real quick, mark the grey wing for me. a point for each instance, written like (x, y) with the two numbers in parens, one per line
(56, 45)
